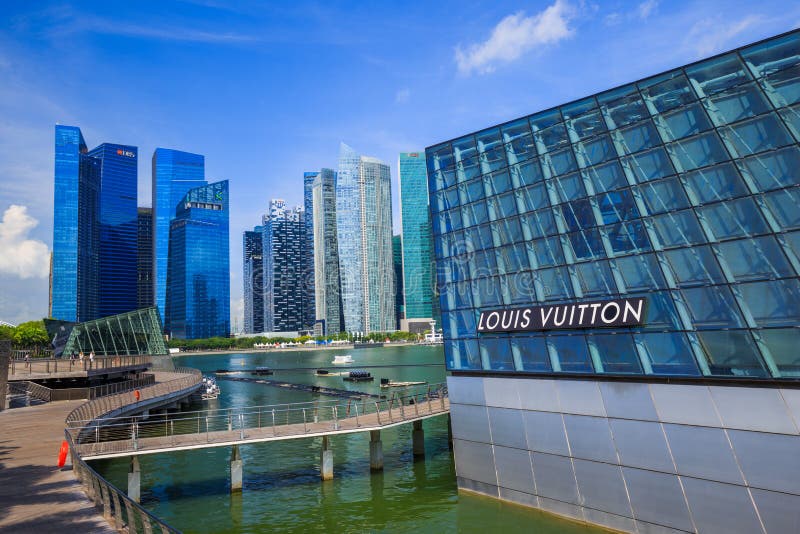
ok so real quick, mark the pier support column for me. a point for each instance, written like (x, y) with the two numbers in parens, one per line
(375, 451)
(449, 433)
(418, 439)
(135, 480)
(326, 460)
(236, 469)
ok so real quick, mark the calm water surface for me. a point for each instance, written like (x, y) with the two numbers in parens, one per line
(282, 489)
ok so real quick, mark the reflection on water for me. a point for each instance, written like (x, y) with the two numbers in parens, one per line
(282, 488)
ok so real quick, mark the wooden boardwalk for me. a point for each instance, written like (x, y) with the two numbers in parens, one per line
(36, 496)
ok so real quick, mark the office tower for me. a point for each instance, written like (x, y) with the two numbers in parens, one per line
(198, 281)
(642, 246)
(144, 262)
(364, 225)
(76, 228)
(253, 267)
(328, 302)
(174, 173)
(118, 228)
(309, 295)
(282, 253)
(397, 261)
(418, 273)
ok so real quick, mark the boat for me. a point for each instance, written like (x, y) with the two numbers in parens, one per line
(342, 359)
(359, 376)
(210, 389)
(262, 371)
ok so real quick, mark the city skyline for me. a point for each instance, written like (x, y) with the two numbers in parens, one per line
(150, 99)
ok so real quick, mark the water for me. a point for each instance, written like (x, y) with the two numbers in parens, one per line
(282, 491)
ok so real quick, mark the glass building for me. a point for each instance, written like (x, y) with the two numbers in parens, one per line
(283, 268)
(144, 262)
(198, 285)
(679, 193)
(131, 333)
(253, 265)
(174, 173)
(364, 225)
(328, 302)
(397, 260)
(309, 307)
(117, 291)
(418, 275)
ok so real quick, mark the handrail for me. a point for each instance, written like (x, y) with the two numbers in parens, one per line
(117, 508)
(65, 365)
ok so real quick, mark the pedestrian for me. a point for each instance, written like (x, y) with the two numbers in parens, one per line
(28, 360)
(91, 358)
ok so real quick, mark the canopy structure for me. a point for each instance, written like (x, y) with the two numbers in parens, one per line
(135, 332)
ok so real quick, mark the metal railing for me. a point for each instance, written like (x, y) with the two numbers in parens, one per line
(121, 387)
(125, 434)
(20, 367)
(117, 508)
(46, 394)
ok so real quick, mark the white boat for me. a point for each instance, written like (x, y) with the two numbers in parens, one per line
(210, 389)
(342, 359)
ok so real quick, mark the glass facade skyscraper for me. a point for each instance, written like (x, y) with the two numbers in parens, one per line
(174, 173)
(144, 262)
(418, 273)
(117, 291)
(397, 260)
(328, 300)
(282, 250)
(253, 266)
(364, 224)
(198, 284)
(309, 308)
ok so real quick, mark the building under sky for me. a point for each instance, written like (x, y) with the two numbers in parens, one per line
(309, 294)
(253, 264)
(327, 284)
(283, 255)
(144, 261)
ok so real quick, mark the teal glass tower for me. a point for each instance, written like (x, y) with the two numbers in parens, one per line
(198, 282)
(174, 173)
(418, 274)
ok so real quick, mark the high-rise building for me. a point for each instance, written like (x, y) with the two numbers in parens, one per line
(328, 301)
(117, 291)
(309, 294)
(198, 282)
(418, 273)
(253, 267)
(282, 252)
(174, 173)
(144, 261)
(364, 225)
(620, 284)
(397, 261)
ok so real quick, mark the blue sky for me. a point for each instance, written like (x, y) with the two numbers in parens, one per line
(267, 91)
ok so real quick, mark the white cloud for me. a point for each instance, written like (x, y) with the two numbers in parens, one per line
(402, 96)
(645, 9)
(22, 257)
(712, 35)
(515, 35)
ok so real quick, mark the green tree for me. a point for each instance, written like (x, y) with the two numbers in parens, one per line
(31, 334)
(6, 332)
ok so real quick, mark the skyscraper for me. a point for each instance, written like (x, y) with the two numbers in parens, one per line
(76, 228)
(328, 302)
(198, 281)
(364, 224)
(174, 173)
(144, 261)
(117, 285)
(397, 261)
(283, 268)
(309, 308)
(418, 274)
(253, 266)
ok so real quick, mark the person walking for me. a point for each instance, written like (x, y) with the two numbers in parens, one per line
(91, 359)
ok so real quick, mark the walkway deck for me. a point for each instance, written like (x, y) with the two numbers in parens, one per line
(36, 496)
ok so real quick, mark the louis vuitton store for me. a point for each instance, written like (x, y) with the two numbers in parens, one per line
(619, 281)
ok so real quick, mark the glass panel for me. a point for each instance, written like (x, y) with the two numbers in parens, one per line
(661, 313)
(514, 258)
(766, 58)
(640, 272)
(482, 263)
(555, 283)
(734, 218)
(498, 182)
(715, 183)
(475, 214)
(783, 205)
(462, 354)
(638, 137)
(669, 353)
(628, 237)
(663, 195)
(650, 165)
(683, 122)
(596, 279)
(569, 187)
(486, 292)
(697, 152)
(606, 177)
(755, 259)
(731, 354)
(625, 111)
(782, 344)
(527, 173)
(506, 231)
(518, 140)
(521, 287)
(538, 224)
(540, 121)
(668, 94)
(617, 206)
(774, 169)
(548, 252)
(495, 350)
(562, 162)
(783, 87)
(596, 151)
(553, 137)
(588, 125)
(465, 151)
(532, 352)
(533, 197)
(773, 303)
(578, 214)
(502, 206)
(713, 308)
(472, 191)
(573, 354)
(737, 103)
(755, 135)
(792, 117)
(678, 229)
(618, 353)
(717, 74)
(694, 266)
(793, 240)
(587, 244)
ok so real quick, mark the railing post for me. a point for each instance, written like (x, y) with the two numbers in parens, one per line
(378, 413)
(430, 408)
(273, 421)
(208, 438)
(241, 426)
(356, 407)
(335, 418)
(305, 428)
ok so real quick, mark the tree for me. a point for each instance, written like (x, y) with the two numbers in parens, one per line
(6, 332)
(31, 334)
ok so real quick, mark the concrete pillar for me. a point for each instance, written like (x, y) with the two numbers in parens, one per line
(135, 480)
(418, 439)
(326, 460)
(236, 469)
(375, 451)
